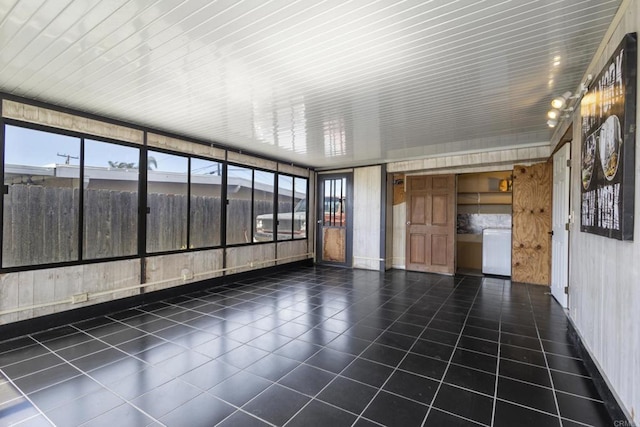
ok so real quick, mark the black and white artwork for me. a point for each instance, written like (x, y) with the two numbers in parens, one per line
(608, 112)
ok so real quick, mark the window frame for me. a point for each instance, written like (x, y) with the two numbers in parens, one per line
(222, 204)
(142, 187)
(82, 200)
(80, 260)
(306, 208)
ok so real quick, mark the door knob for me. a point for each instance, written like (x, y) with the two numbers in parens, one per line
(408, 222)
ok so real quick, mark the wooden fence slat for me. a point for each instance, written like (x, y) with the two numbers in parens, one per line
(41, 223)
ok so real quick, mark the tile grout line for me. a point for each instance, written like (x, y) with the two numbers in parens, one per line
(382, 331)
(387, 313)
(104, 386)
(304, 363)
(396, 368)
(495, 393)
(435, 395)
(336, 375)
(237, 408)
(145, 362)
(544, 354)
(26, 397)
(416, 339)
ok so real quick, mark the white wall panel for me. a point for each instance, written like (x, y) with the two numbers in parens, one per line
(291, 251)
(311, 214)
(367, 188)
(178, 269)
(161, 141)
(293, 170)
(474, 162)
(247, 258)
(604, 277)
(46, 291)
(9, 299)
(399, 235)
(389, 229)
(44, 116)
(247, 160)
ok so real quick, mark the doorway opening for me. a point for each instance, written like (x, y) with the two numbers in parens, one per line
(334, 231)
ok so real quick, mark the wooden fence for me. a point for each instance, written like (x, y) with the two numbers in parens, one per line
(41, 223)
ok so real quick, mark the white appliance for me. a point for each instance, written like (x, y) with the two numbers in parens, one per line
(496, 251)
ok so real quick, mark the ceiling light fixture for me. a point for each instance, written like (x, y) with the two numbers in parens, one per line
(559, 102)
(553, 114)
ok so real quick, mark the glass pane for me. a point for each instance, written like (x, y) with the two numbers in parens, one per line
(167, 202)
(206, 206)
(110, 200)
(300, 210)
(239, 183)
(331, 213)
(40, 221)
(263, 197)
(285, 207)
(334, 200)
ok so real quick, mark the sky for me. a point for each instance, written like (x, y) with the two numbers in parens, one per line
(31, 147)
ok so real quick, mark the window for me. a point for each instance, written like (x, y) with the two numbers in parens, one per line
(167, 192)
(291, 219)
(300, 210)
(285, 207)
(239, 192)
(69, 199)
(263, 205)
(41, 201)
(206, 203)
(110, 201)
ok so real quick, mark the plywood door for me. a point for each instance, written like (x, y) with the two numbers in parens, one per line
(431, 223)
(531, 255)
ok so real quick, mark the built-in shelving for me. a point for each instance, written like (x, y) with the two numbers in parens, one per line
(482, 199)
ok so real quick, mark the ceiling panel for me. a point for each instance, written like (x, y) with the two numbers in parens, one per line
(329, 83)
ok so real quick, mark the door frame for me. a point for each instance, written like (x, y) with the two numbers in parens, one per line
(321, 178)
(560, 279)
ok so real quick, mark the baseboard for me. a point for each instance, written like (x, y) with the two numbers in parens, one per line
(29, 326)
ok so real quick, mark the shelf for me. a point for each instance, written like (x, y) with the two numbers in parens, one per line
(470, 238)
(485, 198)
(484, 192)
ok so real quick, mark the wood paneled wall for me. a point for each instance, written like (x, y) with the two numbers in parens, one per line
(531, 254)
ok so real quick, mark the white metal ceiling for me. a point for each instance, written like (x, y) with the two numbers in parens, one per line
(325, 83)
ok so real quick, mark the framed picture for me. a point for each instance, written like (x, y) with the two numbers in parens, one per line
(608, 138)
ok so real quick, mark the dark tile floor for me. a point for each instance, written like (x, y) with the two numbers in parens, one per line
(317, 346)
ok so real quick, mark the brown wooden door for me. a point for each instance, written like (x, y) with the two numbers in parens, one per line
(431, 223)
(531, 254)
